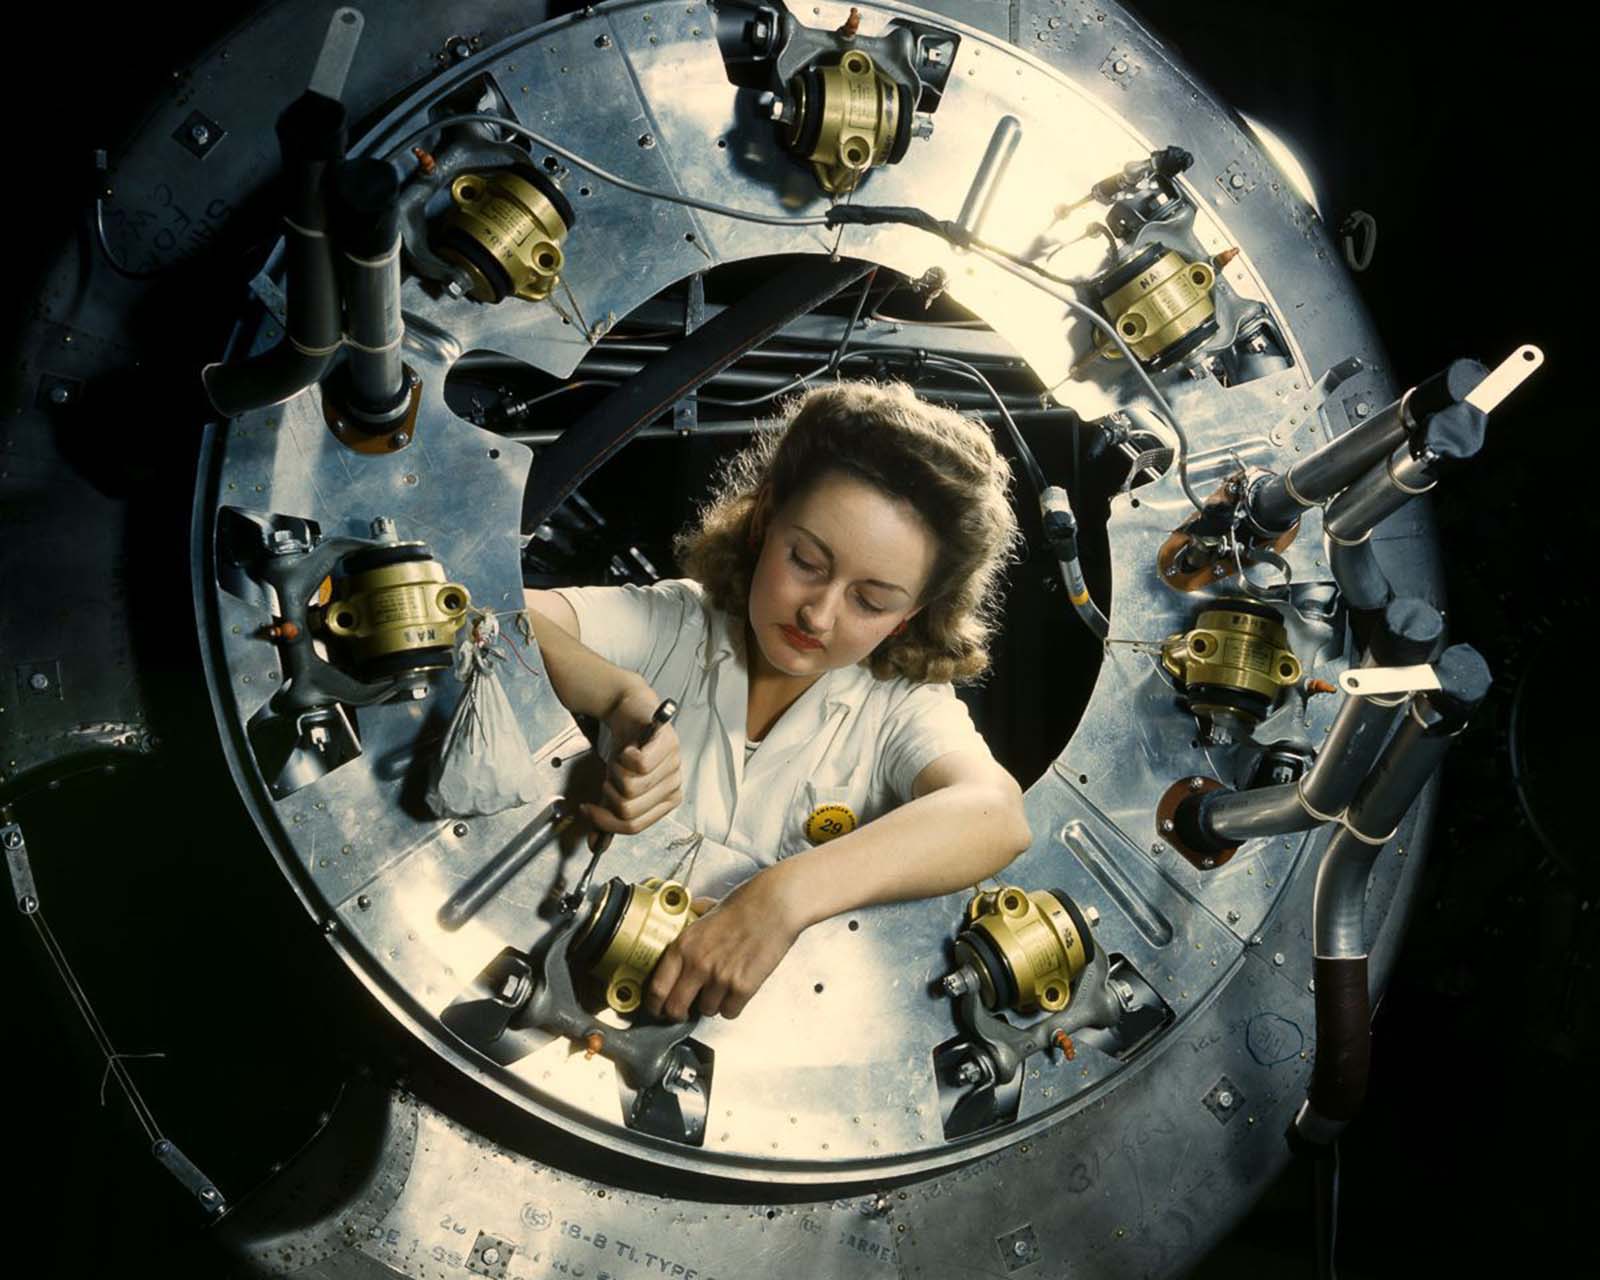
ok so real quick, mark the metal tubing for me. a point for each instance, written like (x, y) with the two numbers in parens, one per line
(991, 169)
(377, 375)
(491, 878)
(1322, 475)
(1352, 744)
(1376, 496)
(1230, 818)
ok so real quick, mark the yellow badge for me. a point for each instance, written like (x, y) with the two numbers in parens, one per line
(829, 822)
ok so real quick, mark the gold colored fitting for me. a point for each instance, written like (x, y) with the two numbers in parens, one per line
(396, 609)
(1234, 650)
(860, 118)
(516, 225)
(657, 912)
(1160, 306)
(1037, 940)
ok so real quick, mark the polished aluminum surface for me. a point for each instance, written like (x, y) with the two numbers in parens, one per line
(827, 1076)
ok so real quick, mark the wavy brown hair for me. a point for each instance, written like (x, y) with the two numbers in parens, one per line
(941, 463)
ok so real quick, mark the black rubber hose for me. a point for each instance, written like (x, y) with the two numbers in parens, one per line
(593, 438)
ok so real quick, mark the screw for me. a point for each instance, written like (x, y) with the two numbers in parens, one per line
(1277, 957)
(1020, 1248)
(1224, 1099)
(383, 527)
(1120, 66)
(364, 902)
(602, 42)
(879, 1205)
(29, 904)
(1219, 570)
(1236, 181)
(459, 830)
(1233, 917)
(969, 1073)
(647, 140)
(685, 1076)
(1362, 408)
(922, 127)
(38, 680)
(200, 134)
(1196, 783)
(1172, 571)
(461, 49)
(955, 984)
(1157, 849)
(1258, 344)
(1168, 826)
(59, 395)
(400, 439)
(491, 1255)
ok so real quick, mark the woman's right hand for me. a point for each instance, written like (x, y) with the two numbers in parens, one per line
(643, 784)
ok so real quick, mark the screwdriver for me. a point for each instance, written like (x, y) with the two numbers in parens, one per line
(662, 715)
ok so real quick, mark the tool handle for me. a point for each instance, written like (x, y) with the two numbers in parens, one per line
(659, 717)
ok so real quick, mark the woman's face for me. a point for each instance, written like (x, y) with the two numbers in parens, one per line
(842, 564)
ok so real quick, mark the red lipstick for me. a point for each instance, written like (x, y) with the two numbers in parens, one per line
(799, 639)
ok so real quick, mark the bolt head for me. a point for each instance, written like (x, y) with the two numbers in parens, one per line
(647, 140)
(491, 1255)
(1157, 849)
(454, 289)
(1233, 917)
(1236, 181)
(364, 902)
(1092, 915)
(1362, 408)
(1277, 957)
(1168, 826)
(954, 984)
(1120, 66)
(38, 680)
(200, 134)
(1196, 783)
(459, 830)
(400, 439)
(59, 395)
(1219, 570)
(602, 42)
(1224, 1099)
(1020, 1248)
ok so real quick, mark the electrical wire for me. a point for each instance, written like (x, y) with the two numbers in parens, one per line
(855, 317)
(836, 216)
(605, 175)
(1030, 464)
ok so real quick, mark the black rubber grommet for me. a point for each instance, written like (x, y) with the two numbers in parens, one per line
(603, 928)
(1078, 922)
(1245, 701)
(1252, 607)
(810, 125)
(459, 242)
(433, 658)
(1119, 276)
(902, 126)
(1187, 345)
(370, 558)
(1001, 978)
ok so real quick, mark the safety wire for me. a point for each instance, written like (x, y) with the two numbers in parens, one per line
(114, 1060)
(1047, 281)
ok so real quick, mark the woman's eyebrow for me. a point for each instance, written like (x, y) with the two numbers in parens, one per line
(828, 551)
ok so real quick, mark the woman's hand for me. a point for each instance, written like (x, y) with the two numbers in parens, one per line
(643, 784)
(722, 959)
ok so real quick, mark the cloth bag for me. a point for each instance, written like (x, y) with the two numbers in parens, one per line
(484, 764)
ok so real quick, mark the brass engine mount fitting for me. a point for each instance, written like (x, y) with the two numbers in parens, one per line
(846, 119)
(392, 609)
(505, 228)
(1233, 664)
(622, 940)
(1026, 948)
(1160, 305)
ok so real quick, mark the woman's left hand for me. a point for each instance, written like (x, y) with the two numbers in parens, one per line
(723, 958)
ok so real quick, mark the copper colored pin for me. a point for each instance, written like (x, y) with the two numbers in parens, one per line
(424, 160)
(285, 630)
(1224, 258)
(592, 1044)
(852, 24)
(1319, 686)
(1063, 1041)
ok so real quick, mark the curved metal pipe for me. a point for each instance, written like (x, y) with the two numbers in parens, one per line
(311, 136)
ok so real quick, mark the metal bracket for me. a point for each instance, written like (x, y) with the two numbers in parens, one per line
(1376, 682)
(185, 1171)
(27, 893)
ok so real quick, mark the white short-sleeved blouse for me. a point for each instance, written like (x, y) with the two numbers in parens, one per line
(850, 739)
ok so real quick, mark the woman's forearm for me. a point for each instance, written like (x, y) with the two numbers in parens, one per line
(584, 681)
(949, 839)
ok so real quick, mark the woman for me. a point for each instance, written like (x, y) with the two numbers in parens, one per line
(845, 571)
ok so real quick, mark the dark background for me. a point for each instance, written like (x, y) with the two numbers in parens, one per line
(1474, 1146)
